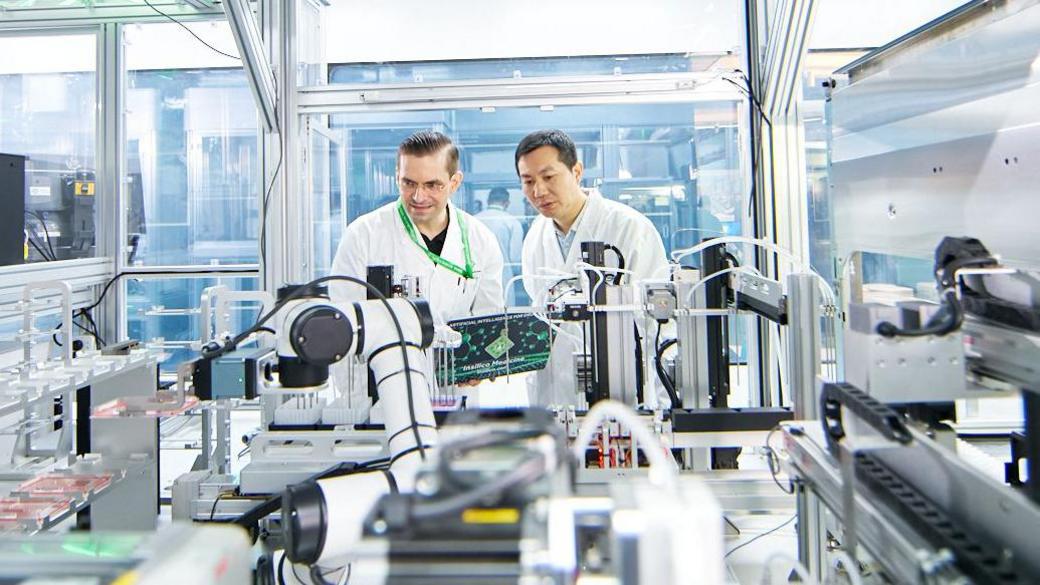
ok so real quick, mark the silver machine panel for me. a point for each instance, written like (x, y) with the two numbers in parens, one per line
(940, 136)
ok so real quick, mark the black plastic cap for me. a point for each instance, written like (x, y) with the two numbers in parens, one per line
(304, 522)
(321, 335)
(425, 316)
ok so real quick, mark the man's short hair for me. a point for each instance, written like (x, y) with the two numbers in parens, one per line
(498, 195)
(427, 143)
(558, 139)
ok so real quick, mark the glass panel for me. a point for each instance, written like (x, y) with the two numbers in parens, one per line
(845, 25)
(327, 167)
(48, 114)
(423, 42)
(166, 311)
(432, 71)
(679, 164)
(818, 68)
(192, 155)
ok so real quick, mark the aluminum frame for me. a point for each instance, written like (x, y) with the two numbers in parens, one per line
(33, 18)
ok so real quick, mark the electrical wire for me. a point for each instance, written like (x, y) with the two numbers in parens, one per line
(851, 566)
(662, 465)
(803, 573)
(304, 289)
(46, 232)
(773, 461)
(266, 203)
(213, 510)
(191, 32)
(763, 535)
(669, 384)
(524, 473)
(39, 250)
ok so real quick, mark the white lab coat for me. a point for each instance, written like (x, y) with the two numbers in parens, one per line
(602, 220)
(510, 235)
(379, 238)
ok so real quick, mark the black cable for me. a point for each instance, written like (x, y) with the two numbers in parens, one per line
(621, 263)
(669, 384)
(85, 311)
(318, 578)
(526, 472)
(266, 203)
(947, 320)
(213, 510)
(454, 449)
(192, 33)
(951, 315)
(751, 97)
(46, 232)
(281, 568)
(40, 250)
(305, 289)
(250, 519)
(764, 534)
(95, 331)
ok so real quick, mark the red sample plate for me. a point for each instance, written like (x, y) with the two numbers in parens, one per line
(65, 485)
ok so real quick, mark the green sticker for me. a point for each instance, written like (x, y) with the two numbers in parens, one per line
(499, 346)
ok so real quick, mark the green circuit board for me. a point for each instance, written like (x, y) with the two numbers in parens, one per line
(496, 345)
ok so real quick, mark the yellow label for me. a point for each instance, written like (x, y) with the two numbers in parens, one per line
(83, 187)
(127, 578)
(491, 516)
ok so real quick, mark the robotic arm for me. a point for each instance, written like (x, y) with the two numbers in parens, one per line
(323, 519)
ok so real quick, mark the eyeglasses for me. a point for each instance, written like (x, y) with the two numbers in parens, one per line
(409, 188)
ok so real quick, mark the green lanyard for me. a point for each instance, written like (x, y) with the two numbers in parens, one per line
(466, 272)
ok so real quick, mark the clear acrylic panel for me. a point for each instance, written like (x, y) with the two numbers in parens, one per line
(48, 114)
(434, 71)
(327, 167)
(455, 40)
(191, 153)
(166, 311)
(679, 164)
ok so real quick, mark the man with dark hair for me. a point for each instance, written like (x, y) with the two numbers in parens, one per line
(509, 232)
(550, 174)
(454, 258)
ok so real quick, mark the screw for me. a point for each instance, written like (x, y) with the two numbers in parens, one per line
(301, 339)
(379, 526)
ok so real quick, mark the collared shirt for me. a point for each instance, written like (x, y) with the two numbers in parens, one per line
(565, 240)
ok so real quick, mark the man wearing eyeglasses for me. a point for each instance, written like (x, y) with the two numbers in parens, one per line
(455, 258)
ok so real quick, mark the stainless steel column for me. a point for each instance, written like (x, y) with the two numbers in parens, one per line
(803, 353)
(803, 365)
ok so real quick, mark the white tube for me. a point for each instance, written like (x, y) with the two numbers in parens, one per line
(679, 254)
(798, 567)
(662, 466)
(851, 566)
(701, 282)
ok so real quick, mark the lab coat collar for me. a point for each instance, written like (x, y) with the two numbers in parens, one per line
(452, 249)
(584, 224)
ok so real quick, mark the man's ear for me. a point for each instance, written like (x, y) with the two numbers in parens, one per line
(456, 181)
(578, 170)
